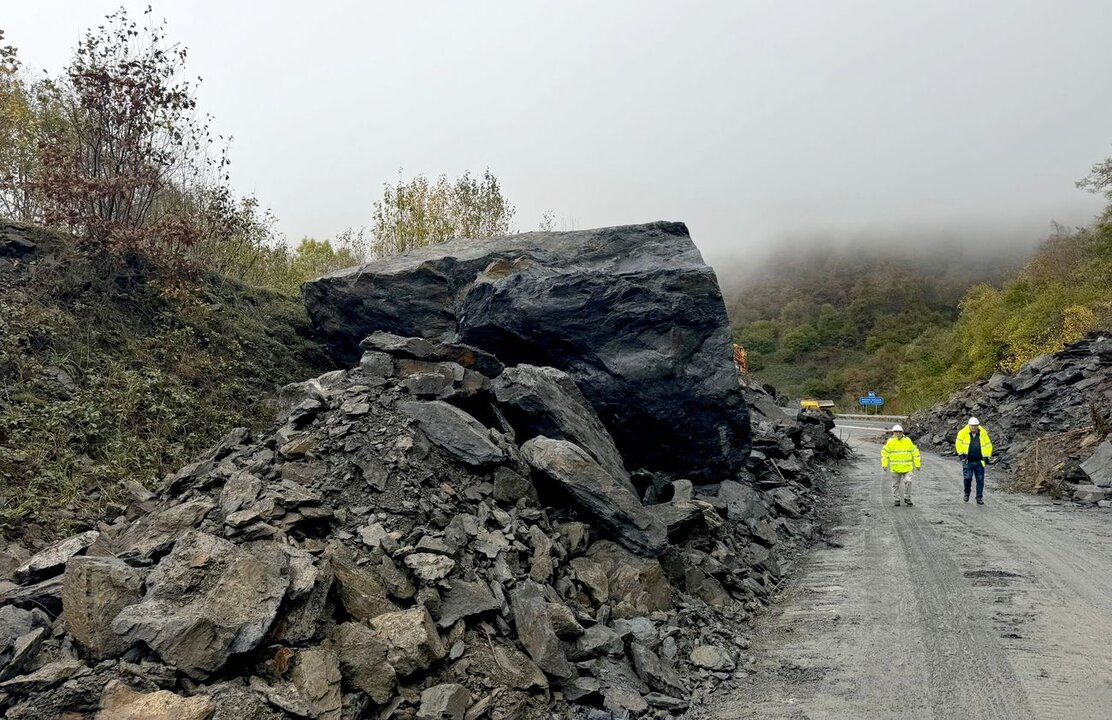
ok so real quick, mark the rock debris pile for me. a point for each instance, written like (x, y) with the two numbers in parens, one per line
(439, 532)
(1049, 421)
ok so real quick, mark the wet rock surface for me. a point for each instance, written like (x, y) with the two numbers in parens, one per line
(632, 313)
(390, 552)
(1049, 421)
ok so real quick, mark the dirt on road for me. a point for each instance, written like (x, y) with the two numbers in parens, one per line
(944, 610)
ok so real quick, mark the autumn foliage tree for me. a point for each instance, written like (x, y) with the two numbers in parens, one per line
(118, 170)
(420, 212)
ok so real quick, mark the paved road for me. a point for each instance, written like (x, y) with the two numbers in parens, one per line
(944, 610)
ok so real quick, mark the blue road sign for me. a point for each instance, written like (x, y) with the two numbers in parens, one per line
(871, 400)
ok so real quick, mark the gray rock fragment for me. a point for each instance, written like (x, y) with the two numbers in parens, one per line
(599, 494)
(208, 599)
(94, 591)
(448, 701)
(52, 560)
(535, 631)
(454, 431)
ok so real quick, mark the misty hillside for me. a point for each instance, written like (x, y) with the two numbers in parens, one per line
(916, 323)
(831, 321)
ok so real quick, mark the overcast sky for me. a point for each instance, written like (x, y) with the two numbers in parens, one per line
(751, 121)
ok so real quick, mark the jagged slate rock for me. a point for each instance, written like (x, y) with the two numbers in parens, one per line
(1089, 493)
(457, 433)
(655, 672)
(580, 688)
(638, 629)
(711, 657)
(510, 486)
(682, 491)
(618, 699)
(632, 313)
(24, 651)
(14, 622)
(52, 560)
(597, 492)
(598, 640)
(429, 567)
(678, 518)
(546, 401)
(363, 661)
(592, 574)
(507, 666)
(436, 545)
(742, 501)
(448, 701)
(120, 702)
(316, 678)
(577, 535)
(376, 366)
(397, 582)
(419, 348)
(563, 621)
(374, 472)
(361, 591)
(239, 492)
(94, 591)
(765, 533)
(785, 500)
(411, 640)
(238, 701)
(1099, 466)
(208, 599)
(636, 586)
(154, 533)
(534, 629)
(465, 599)
(541, 566)
(48, 676)
(307, 611)
(46, 595)
(666, 702)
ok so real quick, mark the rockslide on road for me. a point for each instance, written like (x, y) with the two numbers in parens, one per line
(944, 610)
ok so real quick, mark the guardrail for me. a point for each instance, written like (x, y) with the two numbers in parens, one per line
(859, 416)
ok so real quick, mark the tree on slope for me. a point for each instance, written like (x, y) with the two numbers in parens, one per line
(420, 212)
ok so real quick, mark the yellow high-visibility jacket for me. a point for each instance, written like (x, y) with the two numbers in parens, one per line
(962, 443)
(900, 455)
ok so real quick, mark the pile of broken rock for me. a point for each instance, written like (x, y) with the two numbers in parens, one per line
(430, 534)
(1049, 420)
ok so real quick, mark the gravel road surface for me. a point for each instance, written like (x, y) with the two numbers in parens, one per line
(944, 610)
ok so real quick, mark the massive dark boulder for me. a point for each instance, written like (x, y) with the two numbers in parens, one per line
(632, 313)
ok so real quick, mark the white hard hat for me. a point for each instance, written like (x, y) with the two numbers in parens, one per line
(974, 421)
(897, 428)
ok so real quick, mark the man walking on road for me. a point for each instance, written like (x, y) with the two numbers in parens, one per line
(974, 448)
(900, 456)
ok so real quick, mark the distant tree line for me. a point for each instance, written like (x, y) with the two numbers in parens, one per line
(836, 323)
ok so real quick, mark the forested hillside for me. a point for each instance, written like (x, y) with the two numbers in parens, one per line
(834, 321)
(915, 322)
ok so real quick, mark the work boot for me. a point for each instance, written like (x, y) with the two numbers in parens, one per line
(908, 502)
(980, 501)
(966, 497)
(897, 503)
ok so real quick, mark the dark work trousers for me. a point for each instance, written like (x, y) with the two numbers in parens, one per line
(974, 469)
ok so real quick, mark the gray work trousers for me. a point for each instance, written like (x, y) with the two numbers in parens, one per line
(904, 480)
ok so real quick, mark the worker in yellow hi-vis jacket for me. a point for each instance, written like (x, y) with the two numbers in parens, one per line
(900, 456)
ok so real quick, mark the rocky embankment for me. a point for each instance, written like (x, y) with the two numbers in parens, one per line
(452, 527)
(1049, 421)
